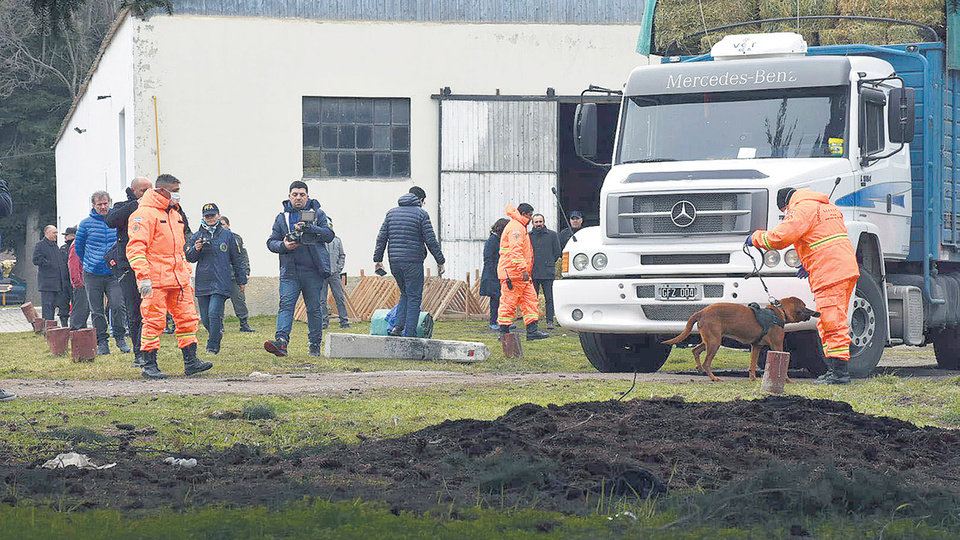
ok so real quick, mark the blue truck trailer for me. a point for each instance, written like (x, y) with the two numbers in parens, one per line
(704, 143)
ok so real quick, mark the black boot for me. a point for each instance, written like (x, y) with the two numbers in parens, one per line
(828, 375)
(138, 361)
(840, 373)
(533, 333)
(191, 364)
(244, 327)
(150, 369)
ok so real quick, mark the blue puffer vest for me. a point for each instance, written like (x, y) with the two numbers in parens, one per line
(94, 239)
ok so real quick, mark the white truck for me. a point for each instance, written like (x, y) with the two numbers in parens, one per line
(703, 144)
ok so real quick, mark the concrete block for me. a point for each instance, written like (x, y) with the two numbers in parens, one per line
(338, 345)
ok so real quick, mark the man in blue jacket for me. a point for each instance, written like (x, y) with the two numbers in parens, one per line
(217, 255)
(301, 241)
(408, 233)
(94, 239)
(6, 208)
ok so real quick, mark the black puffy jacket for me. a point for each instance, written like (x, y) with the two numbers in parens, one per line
(407, 233)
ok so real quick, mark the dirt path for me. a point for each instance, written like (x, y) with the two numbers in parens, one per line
(906, 365)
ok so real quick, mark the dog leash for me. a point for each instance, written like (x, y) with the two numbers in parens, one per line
(756, 272)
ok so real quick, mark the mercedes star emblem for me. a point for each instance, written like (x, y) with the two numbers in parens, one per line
(683, 214)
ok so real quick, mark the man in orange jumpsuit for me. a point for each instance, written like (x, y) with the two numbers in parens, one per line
(513, 269)
(814, 226)
(155, 252)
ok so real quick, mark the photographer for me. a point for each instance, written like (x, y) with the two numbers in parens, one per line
(300, 234)
(217, 255)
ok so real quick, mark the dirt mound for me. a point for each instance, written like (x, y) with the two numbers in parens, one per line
(555, 457)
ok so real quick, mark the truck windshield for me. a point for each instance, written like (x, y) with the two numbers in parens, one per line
(778, 123)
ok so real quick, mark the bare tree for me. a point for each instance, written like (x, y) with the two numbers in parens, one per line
(29, 53)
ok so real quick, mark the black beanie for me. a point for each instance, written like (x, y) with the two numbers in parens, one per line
(783, 197)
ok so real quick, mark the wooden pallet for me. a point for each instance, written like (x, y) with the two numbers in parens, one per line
(373, 293)
(300, 312)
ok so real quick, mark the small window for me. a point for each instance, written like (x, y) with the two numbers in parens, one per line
(356, 137)
(872, 134)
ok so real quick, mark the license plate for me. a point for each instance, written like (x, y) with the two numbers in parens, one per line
(678, 292)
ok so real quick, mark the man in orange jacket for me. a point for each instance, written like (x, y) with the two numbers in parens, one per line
(814, 226)
(156, 255)
(513, 269)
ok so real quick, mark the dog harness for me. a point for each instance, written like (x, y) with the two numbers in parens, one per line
(767, 318)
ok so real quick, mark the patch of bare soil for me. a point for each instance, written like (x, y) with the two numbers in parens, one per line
(551, 457)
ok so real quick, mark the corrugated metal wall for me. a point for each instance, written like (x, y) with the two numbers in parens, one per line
(492, 153)
(481, 11)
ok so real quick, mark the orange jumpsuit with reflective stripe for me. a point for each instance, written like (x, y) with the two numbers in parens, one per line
(516, 257)
(814, 226)
(155, 252)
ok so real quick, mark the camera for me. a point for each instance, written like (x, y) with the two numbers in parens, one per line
(204, 243)
(304, 237)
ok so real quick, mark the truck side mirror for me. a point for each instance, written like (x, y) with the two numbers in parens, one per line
(585, 131)
(900, 115)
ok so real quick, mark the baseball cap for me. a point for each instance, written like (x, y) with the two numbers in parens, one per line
(576, 214)
(210, 209)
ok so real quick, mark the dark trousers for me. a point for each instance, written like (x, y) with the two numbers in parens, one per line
(339, 297)
(494, 308)
(409, 278)
(80, 311)
(239, 299)
(309, 283)
(547, 286)
(211, 315)
(53, 301)
(100, 287)
(131, 299)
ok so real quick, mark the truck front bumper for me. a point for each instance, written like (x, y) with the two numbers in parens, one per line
(629, 306)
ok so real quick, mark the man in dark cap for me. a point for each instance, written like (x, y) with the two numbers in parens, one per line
(217, 254)
(576, 222)
(815, 227)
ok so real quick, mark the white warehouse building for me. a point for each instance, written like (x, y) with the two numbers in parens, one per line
(471, 100)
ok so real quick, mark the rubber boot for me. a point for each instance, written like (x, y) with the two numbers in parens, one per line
(191, 364)
(123, 345)
(828, 375)
(138, 359)
(244, 327)
(533, 333)
(150, 369)
(840, 373)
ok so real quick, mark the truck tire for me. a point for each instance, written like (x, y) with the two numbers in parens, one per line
(946, 347)
(868, 328)
(806, 351)
(624, 353)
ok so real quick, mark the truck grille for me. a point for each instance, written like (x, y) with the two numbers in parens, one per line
(671, 312)
(686, 213)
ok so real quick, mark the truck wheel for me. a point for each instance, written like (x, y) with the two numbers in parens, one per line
(806, 351)
(946, 347)
(624, 353)
(868, 330)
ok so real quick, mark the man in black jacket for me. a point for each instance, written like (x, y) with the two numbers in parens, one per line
(546, 253)
(409, 233)
(53, 278)
(237, 296)
(117, 218)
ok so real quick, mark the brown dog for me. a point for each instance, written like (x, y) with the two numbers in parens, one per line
(738, 322)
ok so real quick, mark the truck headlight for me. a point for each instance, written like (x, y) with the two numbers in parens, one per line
(580, 261)
(791, 258)
(771, 258)
(599, 261)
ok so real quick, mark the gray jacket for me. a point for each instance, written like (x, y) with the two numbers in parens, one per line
(337, 256)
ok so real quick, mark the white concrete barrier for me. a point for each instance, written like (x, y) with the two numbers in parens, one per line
(339, 345)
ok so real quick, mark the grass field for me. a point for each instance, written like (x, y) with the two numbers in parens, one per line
(35, 429)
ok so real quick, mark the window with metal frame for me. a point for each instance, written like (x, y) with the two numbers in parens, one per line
(356, 137)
